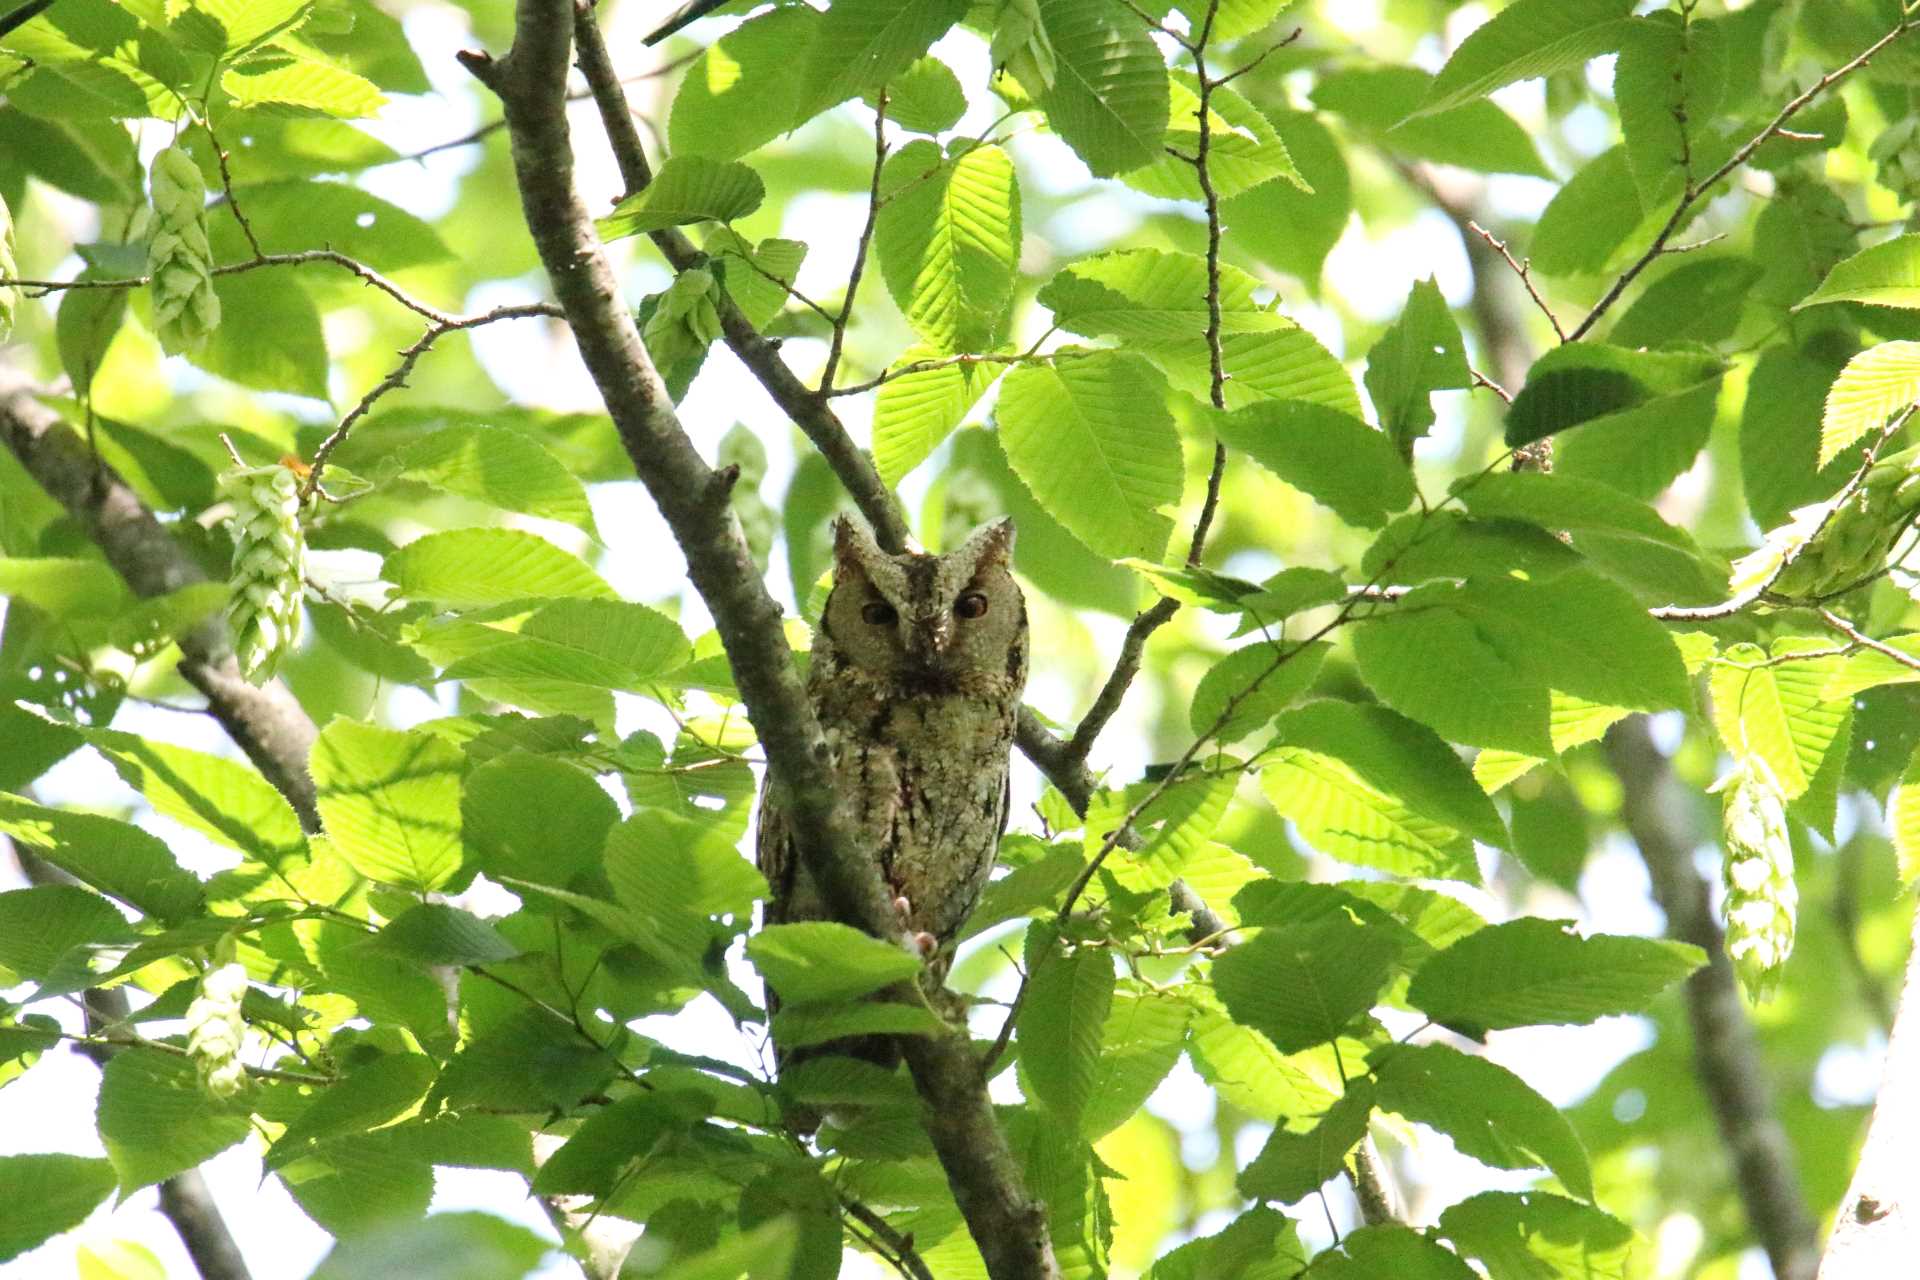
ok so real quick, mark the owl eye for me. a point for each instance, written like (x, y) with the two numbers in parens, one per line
(971, 605)
(879, 613)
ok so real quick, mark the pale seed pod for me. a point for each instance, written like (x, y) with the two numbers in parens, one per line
(179, 259)
(1762, 899)
(216, 1032)
(269, 566)
(1841, 548)
(1896, 158)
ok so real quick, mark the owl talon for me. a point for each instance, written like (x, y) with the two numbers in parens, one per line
(925, 943)
(902, 908)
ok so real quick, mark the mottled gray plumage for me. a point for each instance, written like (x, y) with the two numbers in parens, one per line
(917, 668)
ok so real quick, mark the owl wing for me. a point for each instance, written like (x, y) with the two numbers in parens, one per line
(774, 853)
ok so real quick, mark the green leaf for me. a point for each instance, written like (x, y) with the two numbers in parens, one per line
(291, 216)
(1618, 532)
(119, 860)
(225, 800)
(467, 567)
(1026, 889)
(674, 875)
(1140, 1043)
(1109, 99)
(536, 818)
(948, 238)
(1367, 785)
(1153, 296)
(40, 926)
(1667, 85)
(1584, 381)
(1389, 1250)
(269, 336)
(1263, 678)
(1302, 985)
(688, 188)
(1528, 38)
(434, 934)
(366, 1098)
(391, 802)
(1490, 1113)
(1244, 150)
(1903, 820)
(1093, 441)
(1780, 434)
(754, 273)
(1531, 971)
(1420, 353)
(1329, 455)
(1288, 364)
(823, 961)
(1064, 1014)
(1885, 275)
(445, 1246)
(1532, 1235)
(1283, 226)
(1700, 301)
(741, 91)
(1260, 1244)
(1247, 1071)
(914, 412)
(1589, 220)
(1880, 381)
(1293, 1164)
(1380, 98)
(44, 1195)
(303, 83)
(359, 1181)
(863, 44)
(1782, 714)
(86, 325)
(505, 469)
(925, 98)
(802, 1024)
(1644, 449)
(1507, 642)
(155, 1119)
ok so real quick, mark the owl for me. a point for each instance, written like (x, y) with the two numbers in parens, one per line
(916, 674)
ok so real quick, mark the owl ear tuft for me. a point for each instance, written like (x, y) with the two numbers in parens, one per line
(991, 543)
(853, 546)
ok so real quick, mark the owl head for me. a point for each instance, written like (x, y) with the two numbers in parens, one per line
(928, 623)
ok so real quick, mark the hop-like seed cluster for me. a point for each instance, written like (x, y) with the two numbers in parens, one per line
(1021, 45)
(215, 1031)
(9, 296)
(179, 259)
(1896, 157)
(686, 320)
(1762, 900)
(1841, 541)
(269, 566)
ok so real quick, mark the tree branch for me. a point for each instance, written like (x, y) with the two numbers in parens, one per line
(1731, 1070)
(1878, 1230)
(530, 80)
(808, 408)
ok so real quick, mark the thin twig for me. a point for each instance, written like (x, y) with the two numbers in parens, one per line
(1837, 623)
(1522, 267)
(398, 378)
(860, 247)
(900, 1246)
(1694, 190)
(23, 15)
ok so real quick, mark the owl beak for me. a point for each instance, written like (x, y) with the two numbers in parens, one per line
(930, 635)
